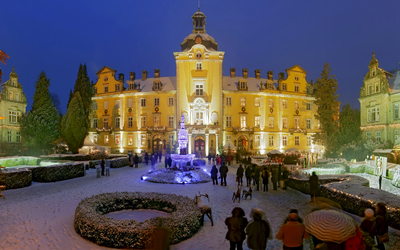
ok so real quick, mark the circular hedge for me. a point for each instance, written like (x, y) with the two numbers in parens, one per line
(90, 222)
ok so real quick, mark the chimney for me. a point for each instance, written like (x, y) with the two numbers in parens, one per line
(132, 76)
(144, 75)
(233, 71)
(258, 73)
(121, 77)
(270, 75)
(281, 76)
(244, 71)
(156, 73)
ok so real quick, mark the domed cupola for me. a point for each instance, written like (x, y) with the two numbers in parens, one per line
(13, 74)
(199, 34)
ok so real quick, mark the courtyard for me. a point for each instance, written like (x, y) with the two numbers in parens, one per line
(41, 216)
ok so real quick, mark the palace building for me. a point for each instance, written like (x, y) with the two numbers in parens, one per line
(12, 106)
(379, 104)
(254, 113)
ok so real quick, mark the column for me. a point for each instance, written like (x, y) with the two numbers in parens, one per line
(189, 146)
(207, 150)
(216, 143)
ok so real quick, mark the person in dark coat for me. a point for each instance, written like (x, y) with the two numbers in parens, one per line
(103, 166)
(214, 175)
(166, 161)
(146, 158)
(153, 162)
(368, 226)
(380, 181)
(258, 231)
(314, 186)
(236, 225)
(129, 159)
(132, 161)
(239, 175)
(274, 177)
(248, 160)
(265, 177)
(382, 223)
(248, 173)
(253, 173)
(136, 160)
(237, 157)
(159, 156)
(209, 158)
(257, 177)
(285, 177)
(279, 174)
(223, 170)
(169, 162)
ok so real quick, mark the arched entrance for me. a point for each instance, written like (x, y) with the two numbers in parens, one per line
(157, 144)
(199, 146)
(242, 143)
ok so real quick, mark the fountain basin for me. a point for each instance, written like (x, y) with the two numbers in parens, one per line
(180, 161)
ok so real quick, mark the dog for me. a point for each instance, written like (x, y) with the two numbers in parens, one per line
(236, 195)
(247, 194)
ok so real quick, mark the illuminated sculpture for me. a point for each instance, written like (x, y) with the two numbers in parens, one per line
(180, 160)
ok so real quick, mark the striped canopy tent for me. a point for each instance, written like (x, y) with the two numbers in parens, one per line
(330, 225)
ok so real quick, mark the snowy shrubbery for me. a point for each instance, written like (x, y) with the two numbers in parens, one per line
(58, 172)
(16, 178)
(117, 163)
(175, 176)
(325, 171)
(19, 161)
(90, 222)
(396, 178)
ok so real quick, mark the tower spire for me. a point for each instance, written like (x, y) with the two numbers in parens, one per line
(198, 5)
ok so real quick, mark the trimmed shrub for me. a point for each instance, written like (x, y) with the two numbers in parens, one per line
(90, 222)
(58, 172)
(19, 160)
(16, 178)
(118, 162)
(92, 164)
(71, 157)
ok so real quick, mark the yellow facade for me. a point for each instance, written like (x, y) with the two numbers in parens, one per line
(256, 114)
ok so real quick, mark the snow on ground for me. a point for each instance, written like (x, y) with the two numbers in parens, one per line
(41, 216)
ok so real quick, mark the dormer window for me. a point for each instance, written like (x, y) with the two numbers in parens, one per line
(376, 87)
(198, 55)
(105, 78)
(131, 86)
(199, 66)
(242, 85)
(296, 88)
(157, 85)
(199, 89)
(105, 89)
(117, 87)
(270, 85)
(373, 72)
(296, 78)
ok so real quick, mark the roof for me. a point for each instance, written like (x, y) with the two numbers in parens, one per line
(253, 84)
(382, 151)
(169, 83)
(394, 81)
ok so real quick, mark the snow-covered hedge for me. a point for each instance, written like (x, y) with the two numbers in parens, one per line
(69, 157)
(352, 193)
(118, 162)
(19, 161)
(90, 222)
(58, 172)
(396, 178)
(325, 171)
(16, 178)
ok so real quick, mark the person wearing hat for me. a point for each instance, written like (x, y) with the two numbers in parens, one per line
(292, 233)
(368, 226)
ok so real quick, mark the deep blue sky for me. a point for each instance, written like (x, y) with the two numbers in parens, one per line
(56, 36)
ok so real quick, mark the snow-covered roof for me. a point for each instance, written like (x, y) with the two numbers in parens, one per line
(253, 84)
(394, 81)
(169, 83)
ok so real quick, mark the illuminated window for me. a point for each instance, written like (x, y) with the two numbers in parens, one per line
(143, 121)
(257, 140)
(229, 101)
(296, 105)
(130, 121)
(13, 116)
(199, 66)
(143, 102)
(157, 121)
(117, 122)
(131, 86)
(284, 140)
(105, 122)
(257, 102)
(105, 89)
(199, 118)
(143, 139)
(105, 139)
(296, 122)
(170, 101)
(284, 87)
(243, 102)
(271, 122)
(308, 105)
(271, 140)
(309, 140)
(242, 85)
(229, 121)
(271, 103)
(297, 140)
(242, 121)
(296, 78)
(156, 101)
(284, 122)
(94, 122)
(257, 120)
(170, 121)
(296, 88)
(130, 139)
(117, 139)
(284, 104)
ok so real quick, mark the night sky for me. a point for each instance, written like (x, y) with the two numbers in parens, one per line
(56, 36)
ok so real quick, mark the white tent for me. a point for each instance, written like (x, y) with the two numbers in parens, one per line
(229, 146)
(292, 150)
(275, 152)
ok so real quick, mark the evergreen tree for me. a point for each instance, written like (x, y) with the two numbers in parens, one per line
(328, 111)
(349, 136)
(39, 127)
(83, 86)
(71, 94)
(74, 128)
